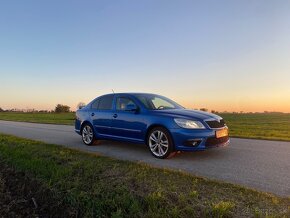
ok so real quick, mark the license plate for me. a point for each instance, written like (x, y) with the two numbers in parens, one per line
(222, 133)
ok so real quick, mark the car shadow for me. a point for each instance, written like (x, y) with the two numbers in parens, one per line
(213, 153)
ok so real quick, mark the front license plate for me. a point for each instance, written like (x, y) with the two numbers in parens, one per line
(222, 133)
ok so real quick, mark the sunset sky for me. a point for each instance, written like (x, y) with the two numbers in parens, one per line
(221, 55)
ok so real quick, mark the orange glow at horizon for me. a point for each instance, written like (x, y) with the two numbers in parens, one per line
(240, 105)
(220, 105)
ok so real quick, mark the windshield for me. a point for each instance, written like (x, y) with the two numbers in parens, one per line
(157, 102)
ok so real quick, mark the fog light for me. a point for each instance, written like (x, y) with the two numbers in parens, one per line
(192, 142)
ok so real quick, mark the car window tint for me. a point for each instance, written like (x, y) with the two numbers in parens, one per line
(122, 102)
(145, 102)
(95, 104)
(105, 102)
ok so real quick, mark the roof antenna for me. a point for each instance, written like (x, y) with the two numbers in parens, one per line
(113, 91)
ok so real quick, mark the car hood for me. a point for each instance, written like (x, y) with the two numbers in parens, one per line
(189, 114)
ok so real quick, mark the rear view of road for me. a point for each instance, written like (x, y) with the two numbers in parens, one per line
(259, 164)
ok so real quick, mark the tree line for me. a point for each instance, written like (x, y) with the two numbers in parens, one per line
(59, 108)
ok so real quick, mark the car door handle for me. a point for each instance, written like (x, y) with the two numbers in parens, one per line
(115, 115)
(93, 114)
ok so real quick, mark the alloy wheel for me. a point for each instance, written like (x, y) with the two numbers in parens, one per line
(88, 135)
(158, 143)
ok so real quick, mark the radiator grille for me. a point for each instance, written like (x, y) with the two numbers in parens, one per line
(216, 124)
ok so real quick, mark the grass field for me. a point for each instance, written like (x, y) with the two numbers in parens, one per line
(269, 126)
(51, 180)
(51, 118)
(259, 126)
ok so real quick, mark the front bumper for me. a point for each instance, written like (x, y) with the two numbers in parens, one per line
(197, 139)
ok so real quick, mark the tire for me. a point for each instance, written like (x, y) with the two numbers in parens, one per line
(160, 143)
(88, 135)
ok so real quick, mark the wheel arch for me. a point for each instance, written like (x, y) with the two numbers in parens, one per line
(152, 126)
(84, 123)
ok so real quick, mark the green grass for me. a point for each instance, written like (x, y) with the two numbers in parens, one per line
(269, 126)
(98, 186)
(51, 118)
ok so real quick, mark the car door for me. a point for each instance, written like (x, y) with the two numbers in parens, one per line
(101, 114)
(127, 124)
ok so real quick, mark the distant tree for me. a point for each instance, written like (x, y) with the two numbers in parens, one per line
(43, 111)
(203, 109)
(1, 110)
(81, 105)
(60, 108)
(31, 110)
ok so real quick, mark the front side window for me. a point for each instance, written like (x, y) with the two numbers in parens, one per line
(122, 103)
(106, 102)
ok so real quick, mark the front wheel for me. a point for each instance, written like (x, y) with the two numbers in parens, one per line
(160, 143)
(88, 136)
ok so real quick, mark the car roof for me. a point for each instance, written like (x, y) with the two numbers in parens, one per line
(130, 93)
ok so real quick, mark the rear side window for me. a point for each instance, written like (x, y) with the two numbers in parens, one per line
(105, 102)
(95, 104)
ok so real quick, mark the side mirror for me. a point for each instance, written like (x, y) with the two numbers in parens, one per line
(131, 107)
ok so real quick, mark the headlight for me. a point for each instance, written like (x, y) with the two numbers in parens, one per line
(189, 124)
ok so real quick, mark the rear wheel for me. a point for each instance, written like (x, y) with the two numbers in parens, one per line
(88, 135)
(160, 143)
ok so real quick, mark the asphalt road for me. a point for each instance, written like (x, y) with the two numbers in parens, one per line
(259, 164)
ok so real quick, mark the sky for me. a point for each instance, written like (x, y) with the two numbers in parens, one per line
(222, 55)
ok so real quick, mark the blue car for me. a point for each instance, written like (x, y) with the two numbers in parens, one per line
(162, 124)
